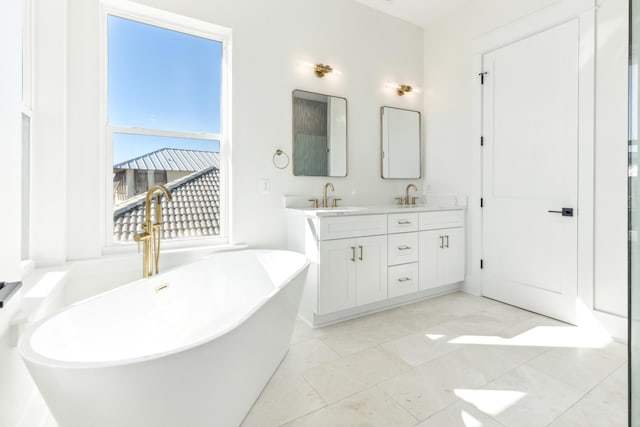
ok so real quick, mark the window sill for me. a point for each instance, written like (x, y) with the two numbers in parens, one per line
(216, 244)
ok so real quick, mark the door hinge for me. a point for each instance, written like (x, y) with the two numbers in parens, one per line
(482, 77)
(482, 141)
(482, 202)
(481, 264)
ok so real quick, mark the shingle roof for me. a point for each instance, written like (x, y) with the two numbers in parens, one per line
(194, 211)
(171, 159)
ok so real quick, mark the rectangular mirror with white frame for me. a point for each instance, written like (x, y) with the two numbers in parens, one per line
(401, 146)
(319, 134)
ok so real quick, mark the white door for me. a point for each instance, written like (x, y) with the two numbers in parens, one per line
(371, 269)
(530, 167)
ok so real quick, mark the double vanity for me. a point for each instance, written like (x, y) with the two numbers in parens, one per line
(368, 258)
(365, 259)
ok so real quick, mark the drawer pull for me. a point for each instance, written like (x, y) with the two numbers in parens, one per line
(361, 252)
(353, 253)
(446, 239)
(441, 242)
(404, 279)
(404, 248)
(404, 222)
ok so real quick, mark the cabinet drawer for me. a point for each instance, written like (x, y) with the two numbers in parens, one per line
(403, 248)
(352, 226)
(441, 219)
(403, 279)
(402, 223)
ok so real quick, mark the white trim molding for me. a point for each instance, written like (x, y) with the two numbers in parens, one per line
(167, 20)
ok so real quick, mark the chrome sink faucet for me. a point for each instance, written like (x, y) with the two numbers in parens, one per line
(325, 199)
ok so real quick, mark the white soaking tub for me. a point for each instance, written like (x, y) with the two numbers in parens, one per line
(193, 346)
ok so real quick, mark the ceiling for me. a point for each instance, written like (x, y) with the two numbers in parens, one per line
(420, 12)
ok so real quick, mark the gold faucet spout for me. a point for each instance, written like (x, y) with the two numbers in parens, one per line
(406, 194)
(325, 199)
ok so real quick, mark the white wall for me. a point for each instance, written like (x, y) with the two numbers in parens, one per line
(368, 47)
(450, 81)
(611, 160)
(48, 170)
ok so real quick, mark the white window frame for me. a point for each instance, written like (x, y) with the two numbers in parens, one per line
(183, 24)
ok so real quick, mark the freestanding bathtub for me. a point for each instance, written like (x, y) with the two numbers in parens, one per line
(191, 347)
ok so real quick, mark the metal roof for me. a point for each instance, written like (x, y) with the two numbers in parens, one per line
(172, 159)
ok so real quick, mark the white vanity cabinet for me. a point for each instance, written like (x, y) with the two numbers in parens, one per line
(352, 272)
(442, 248)
(369, 259)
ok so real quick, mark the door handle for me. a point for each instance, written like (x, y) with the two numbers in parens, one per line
(446, 245)
(361, 252)
(353, 253)
(564, 212)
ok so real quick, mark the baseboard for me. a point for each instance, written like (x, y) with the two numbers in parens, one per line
(616, 325)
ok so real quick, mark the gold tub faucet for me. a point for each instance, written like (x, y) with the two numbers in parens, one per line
(151, 232)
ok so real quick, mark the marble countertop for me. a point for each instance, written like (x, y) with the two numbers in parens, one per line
(371, 210)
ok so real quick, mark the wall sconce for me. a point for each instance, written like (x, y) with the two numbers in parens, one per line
(402, 89)
(321, 70)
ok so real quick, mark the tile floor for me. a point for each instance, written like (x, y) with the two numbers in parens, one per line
(456, 360)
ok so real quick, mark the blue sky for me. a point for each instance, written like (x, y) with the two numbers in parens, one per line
(161, 79)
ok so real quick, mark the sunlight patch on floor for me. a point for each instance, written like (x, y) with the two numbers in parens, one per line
(491, 402)
(543, 336)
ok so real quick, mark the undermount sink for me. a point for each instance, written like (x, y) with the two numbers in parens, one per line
(338, 210)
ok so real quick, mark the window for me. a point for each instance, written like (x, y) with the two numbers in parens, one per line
(166, 112)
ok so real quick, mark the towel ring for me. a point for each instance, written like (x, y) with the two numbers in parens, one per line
(284, 162)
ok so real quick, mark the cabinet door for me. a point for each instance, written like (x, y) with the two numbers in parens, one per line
(336, 290)
(371, 269)
(452, 259)
(431, 243)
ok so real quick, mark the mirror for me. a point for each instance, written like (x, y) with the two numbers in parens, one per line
(401, 154)
(319, 134)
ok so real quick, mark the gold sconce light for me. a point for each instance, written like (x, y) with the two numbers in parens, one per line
(321, 70)
(402, 89)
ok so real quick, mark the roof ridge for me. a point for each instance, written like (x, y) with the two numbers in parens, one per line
(121, 164)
